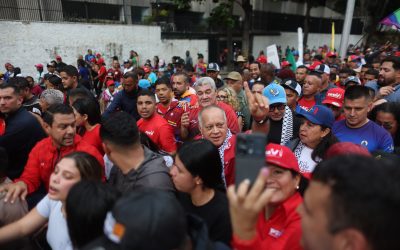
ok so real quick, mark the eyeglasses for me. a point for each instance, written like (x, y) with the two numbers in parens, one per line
(279, 106)
(221, 97)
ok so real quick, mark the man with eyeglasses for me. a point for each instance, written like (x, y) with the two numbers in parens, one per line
(284, 125)
(125, 100)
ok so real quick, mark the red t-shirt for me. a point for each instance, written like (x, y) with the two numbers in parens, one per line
(159, 132)
(93, 138)
(282, 231)
(173, 114)
(231, 117)
(306, 104)
(102, 74)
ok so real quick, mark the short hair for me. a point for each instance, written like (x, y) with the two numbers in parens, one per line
(52, 96)
(302, 67)
(393, 59)
(138, 72)
(356, 92)
(199, 117)
(146, 92)
(315, 73)
(70, 70)
(373, 72)
(184, 75)
(17, 90)
(56, 81)
(85, 223)
(163, 80)
(120, 129)
(21, 82)
(201, 158)
(131, 74)
(256, 62)
(58, 108)
(372, 206)
(346, 71)
(205, 81)
(89, 107)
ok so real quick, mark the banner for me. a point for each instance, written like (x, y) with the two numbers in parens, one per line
(272, 56)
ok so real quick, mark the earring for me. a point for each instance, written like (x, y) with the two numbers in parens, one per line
(297, 187)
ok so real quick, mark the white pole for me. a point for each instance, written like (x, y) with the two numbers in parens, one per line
(300, 46)
(346, 28)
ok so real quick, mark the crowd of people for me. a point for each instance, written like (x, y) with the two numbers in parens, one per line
(97, 156)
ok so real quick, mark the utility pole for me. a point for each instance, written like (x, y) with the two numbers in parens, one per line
(346, 28)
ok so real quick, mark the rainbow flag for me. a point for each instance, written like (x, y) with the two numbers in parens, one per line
(392, 20)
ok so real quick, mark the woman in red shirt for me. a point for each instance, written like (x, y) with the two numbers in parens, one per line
(88, 118)
(265, 216)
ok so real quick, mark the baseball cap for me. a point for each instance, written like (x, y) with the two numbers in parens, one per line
(281, 156)
(335, 97)
(353, 58)
(110, 82)
(323, 68)
(331, 54)
(144, 83)
(285, 63)
(319, 114)
(292, 84)
(314, 65)
(234, 76)
(354, 79)
(275, 93)
(346, 148)
(213, 67)
(58, 57)
(39, 65)
(123, 226)
(51, 64)
(126, 61)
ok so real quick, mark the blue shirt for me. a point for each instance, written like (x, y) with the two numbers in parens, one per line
(393, 97)
(371, 136)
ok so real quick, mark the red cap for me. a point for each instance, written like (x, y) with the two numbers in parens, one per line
(100, 61)
(331, 54)
(335, 97)
(98, 55)
(285, 63)
(281, 156)
(314, 65)
(110, 82)
(262, 59)
(58, 57)
(146, 69)
(397, 53)
(346, 148)
(353, 58)
(39, 65)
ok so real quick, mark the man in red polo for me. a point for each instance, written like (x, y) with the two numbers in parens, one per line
(207, 95)
(153, 124)
(168, 107)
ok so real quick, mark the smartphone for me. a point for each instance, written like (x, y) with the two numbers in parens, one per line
(250, 156)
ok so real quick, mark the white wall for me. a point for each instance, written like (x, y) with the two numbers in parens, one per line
(290, 38)
(25, 44)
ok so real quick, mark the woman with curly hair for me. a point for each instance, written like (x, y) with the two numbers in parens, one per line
(228, 96)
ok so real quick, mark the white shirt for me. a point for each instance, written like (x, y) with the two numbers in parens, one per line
(306, 163)
(57, 231)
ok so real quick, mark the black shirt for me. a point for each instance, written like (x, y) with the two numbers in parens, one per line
(215, 214)
(275, 130)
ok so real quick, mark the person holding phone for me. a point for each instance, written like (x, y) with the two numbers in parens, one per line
(265, 217)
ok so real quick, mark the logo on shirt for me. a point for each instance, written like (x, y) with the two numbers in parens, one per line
(275, 233)
(149, 133)
(364, 143)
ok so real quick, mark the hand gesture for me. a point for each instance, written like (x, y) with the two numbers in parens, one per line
(258, 104)
(15, 190)
(245, 206)
(185, 120)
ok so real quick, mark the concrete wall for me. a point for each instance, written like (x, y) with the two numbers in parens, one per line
(25, 44)
(290, 38)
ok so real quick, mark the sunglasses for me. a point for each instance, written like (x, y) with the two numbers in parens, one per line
(279, 106)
